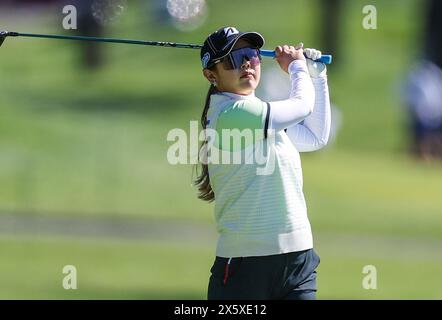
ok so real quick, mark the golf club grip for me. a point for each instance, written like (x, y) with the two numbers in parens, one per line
(325, 58)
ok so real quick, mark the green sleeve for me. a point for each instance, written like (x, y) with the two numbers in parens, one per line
(242, 118)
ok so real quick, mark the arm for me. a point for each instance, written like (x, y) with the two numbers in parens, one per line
(300, 103)
(314, 132)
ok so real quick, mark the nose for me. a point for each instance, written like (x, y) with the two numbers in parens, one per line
(246, 63)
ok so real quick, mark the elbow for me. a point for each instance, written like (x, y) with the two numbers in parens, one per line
(323, 141)
(323, 138)
(320, 142)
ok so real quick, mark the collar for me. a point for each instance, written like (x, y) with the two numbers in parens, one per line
(221, 97)
(238, 96)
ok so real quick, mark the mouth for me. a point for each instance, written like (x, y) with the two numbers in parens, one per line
(247, 75)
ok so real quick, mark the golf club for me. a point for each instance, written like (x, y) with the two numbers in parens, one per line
(327, 59)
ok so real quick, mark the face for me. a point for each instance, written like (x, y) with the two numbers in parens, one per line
(241, 81)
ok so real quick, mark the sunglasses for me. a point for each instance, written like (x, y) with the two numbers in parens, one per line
(235, 59)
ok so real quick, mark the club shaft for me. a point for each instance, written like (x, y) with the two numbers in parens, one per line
(266, 53)
(110, 40)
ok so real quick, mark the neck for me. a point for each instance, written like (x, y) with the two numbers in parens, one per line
(250, 94)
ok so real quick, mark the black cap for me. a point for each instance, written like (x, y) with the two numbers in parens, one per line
(221, 42)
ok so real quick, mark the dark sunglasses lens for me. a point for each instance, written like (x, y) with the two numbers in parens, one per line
(236, 58)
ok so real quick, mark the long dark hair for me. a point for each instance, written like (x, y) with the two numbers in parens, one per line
(203, 180)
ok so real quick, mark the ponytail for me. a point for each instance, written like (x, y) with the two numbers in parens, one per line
(203, 181)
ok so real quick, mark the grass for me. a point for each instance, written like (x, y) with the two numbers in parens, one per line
(378, 194)
(94, 143)
(106, 269)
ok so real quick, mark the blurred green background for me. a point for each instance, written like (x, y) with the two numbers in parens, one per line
(77, 145)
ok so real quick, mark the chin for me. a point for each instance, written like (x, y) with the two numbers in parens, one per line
(251, 88)
(250, 84)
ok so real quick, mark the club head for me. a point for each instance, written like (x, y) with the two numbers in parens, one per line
(3, 35)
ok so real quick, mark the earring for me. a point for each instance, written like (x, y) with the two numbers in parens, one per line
(214, 83)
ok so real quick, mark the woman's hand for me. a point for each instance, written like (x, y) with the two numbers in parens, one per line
(316, 69)
(287, 54)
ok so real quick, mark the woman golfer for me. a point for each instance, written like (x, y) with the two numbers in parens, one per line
(265, 246)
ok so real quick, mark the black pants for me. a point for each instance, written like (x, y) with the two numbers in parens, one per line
(283, 276)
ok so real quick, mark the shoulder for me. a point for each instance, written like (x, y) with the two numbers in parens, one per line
(245, 108)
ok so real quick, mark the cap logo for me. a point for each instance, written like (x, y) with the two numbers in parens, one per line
(205, 59)
(230, 31)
